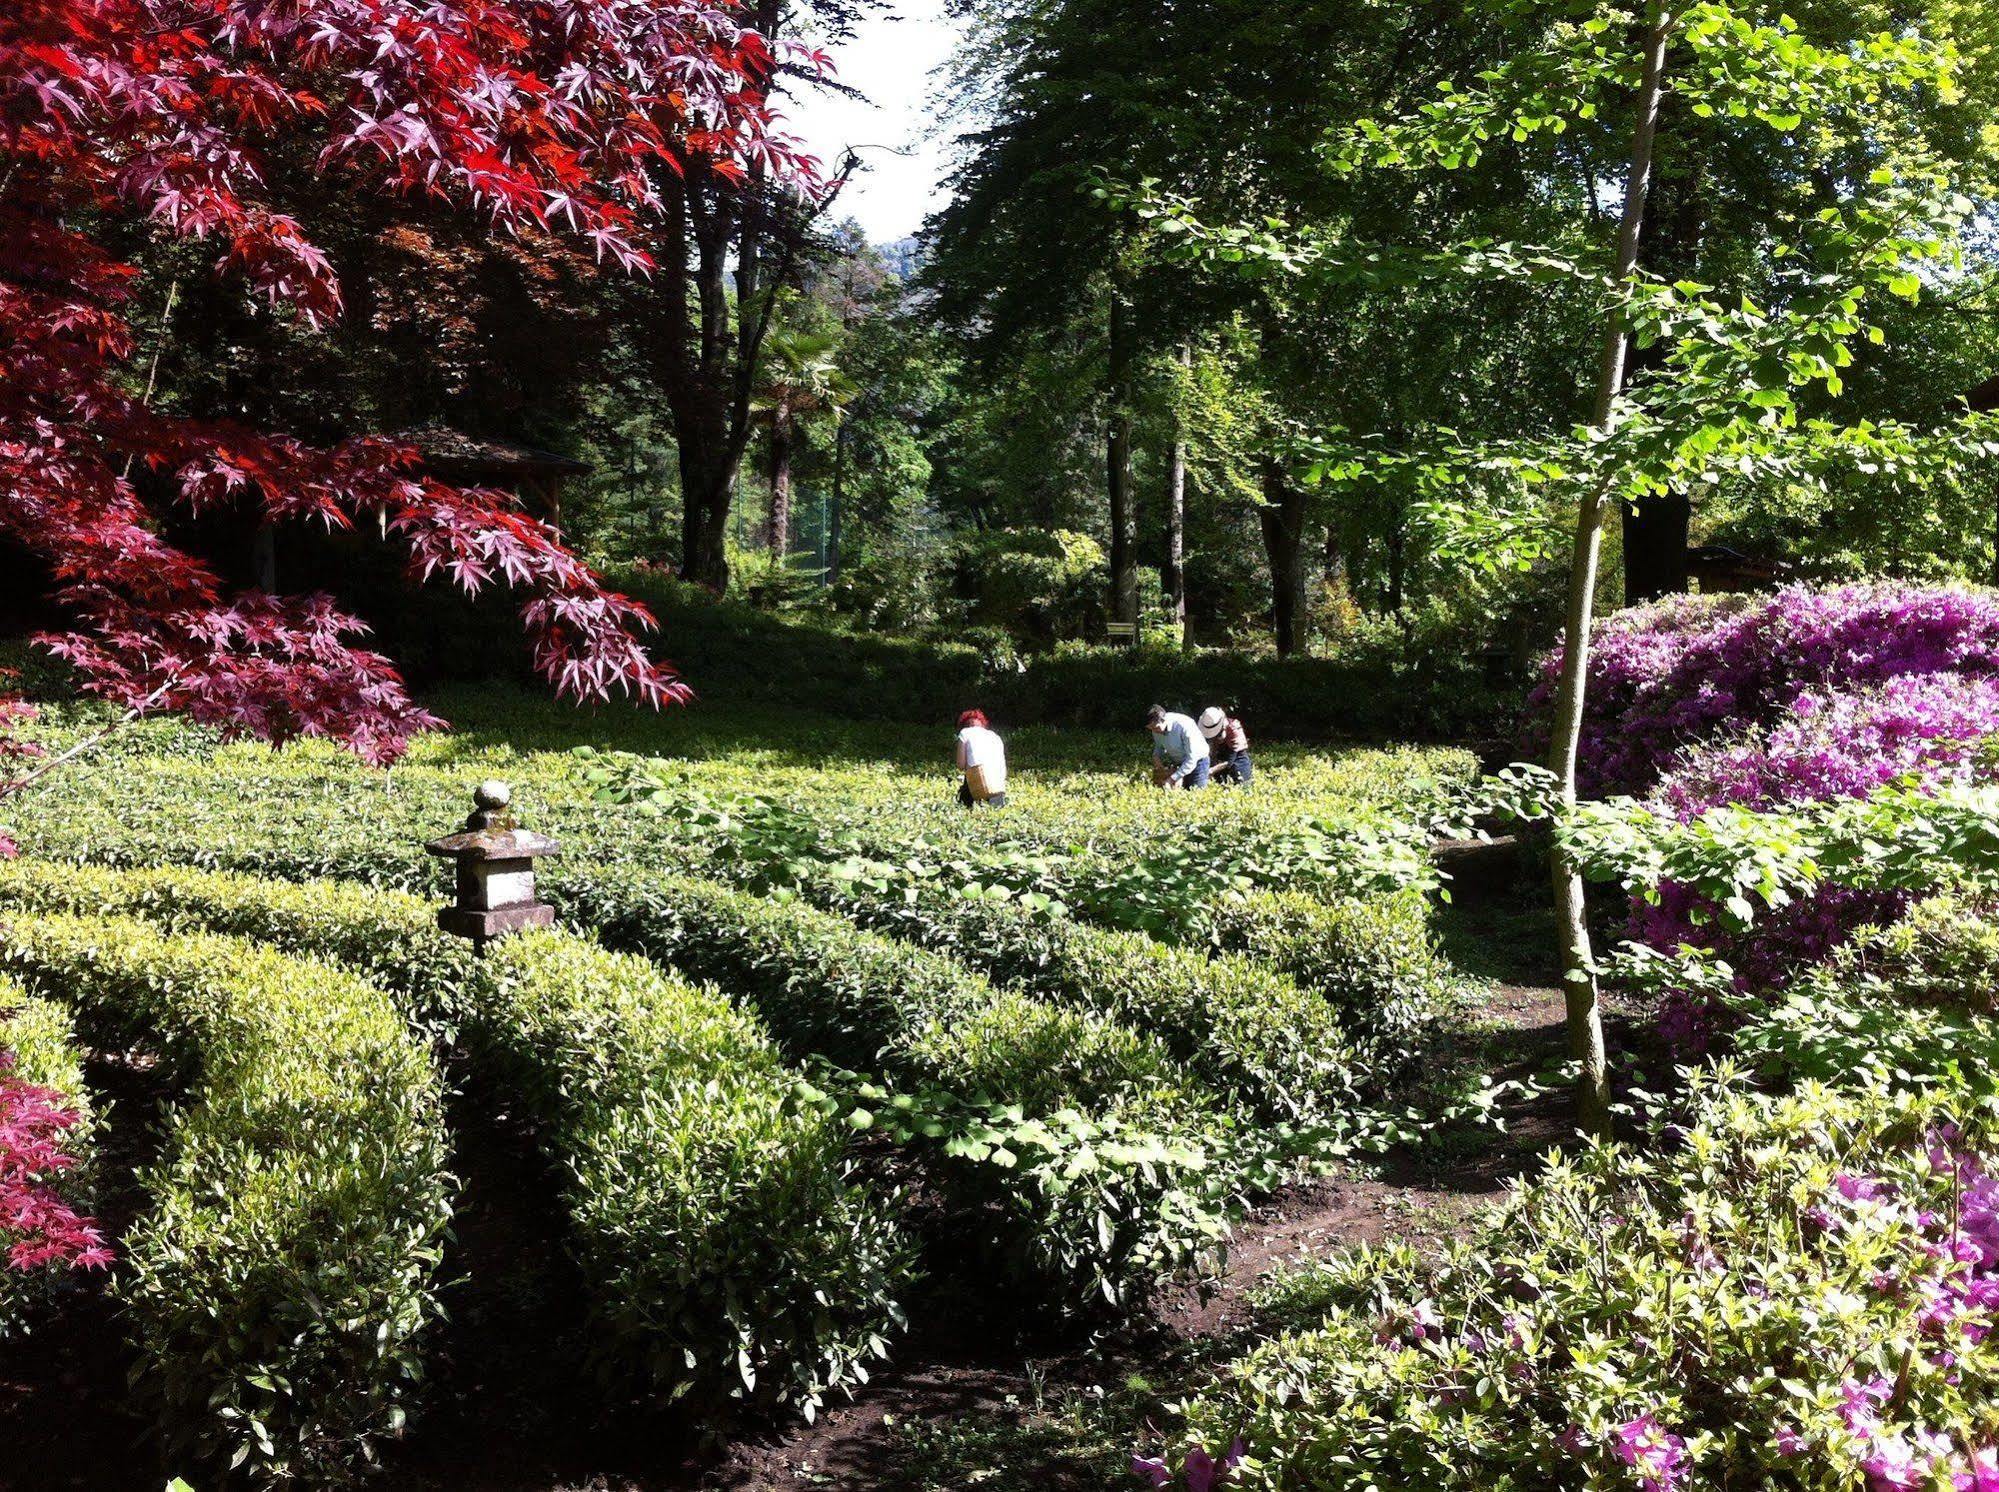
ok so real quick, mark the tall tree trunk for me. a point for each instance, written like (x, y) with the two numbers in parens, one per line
(1397, 567)
(1579, 984)
(777, 531)
(1117, 462)
(1176, 513)
(1282, 517)
(839, 480)
(707, 480)
(1656, 529)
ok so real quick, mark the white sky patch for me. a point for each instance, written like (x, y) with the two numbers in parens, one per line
(892, 60)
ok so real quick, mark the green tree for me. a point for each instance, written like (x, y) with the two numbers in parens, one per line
(1726, 379)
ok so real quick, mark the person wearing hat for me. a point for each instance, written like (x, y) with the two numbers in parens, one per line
(982, 759)
(1179, 750)
(1227, 739)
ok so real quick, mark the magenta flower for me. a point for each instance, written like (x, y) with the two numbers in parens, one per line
(1202, 1471)
(1980, 1474)
(1895, 1464)
(1654, 1452)
(1858, 1405)
(1858, 1188)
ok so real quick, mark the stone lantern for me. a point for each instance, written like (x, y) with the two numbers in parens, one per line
(495, 862)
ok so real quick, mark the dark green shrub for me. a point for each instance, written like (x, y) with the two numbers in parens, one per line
(716, 1233)
(281, 1281)
(1038, 584)
(1429, 684)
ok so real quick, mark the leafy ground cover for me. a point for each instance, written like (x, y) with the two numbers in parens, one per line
(1034, 1070)
(1035, 1047)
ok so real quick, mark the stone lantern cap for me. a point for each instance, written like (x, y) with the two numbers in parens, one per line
(495, 844)
(490, 832)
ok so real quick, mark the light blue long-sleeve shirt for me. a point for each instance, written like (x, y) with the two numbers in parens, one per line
(1179, 747)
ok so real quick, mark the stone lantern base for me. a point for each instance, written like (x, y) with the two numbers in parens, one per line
(466, 922)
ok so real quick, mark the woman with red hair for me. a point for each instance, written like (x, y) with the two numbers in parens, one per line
(982, 758)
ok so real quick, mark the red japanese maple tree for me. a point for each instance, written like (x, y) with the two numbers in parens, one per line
(545, 115)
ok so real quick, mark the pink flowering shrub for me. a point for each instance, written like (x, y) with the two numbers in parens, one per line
(39, 1229)
(1836, 744)
(1791, 1291)
(1802, 696)
(1668, 678)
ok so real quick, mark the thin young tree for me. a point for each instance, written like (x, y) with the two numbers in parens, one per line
(1579, 982)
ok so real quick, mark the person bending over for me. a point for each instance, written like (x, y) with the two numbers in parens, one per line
(1179, 750)
(982, 760)
(1230, 742)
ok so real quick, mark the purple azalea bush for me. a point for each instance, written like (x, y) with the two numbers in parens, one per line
(1805, 695)
(1676, 675)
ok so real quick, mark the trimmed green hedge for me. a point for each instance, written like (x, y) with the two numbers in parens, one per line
(1374, 959)
(39, 1039)
(284, 1275)
(869, 1002)
(722, 1246)
(827, 988)
(1249, 1032)
(41, 1036)
(1110, 1232)
(723, 1243)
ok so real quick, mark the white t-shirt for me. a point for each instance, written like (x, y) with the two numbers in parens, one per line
(979, 746)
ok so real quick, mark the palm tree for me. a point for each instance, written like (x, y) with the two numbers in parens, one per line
(800, 381)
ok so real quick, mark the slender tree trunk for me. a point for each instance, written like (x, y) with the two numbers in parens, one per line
(777, 531)
(1397, 567)
(706, 481)
(1282, 517)
(1657, 527)
(1579, 984)
(1176, 514)
(839, 479)
(1117, 464)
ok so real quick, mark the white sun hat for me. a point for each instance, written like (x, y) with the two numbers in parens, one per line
(1211, 721)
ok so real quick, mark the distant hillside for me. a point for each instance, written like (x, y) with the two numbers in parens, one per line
(903, 257)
